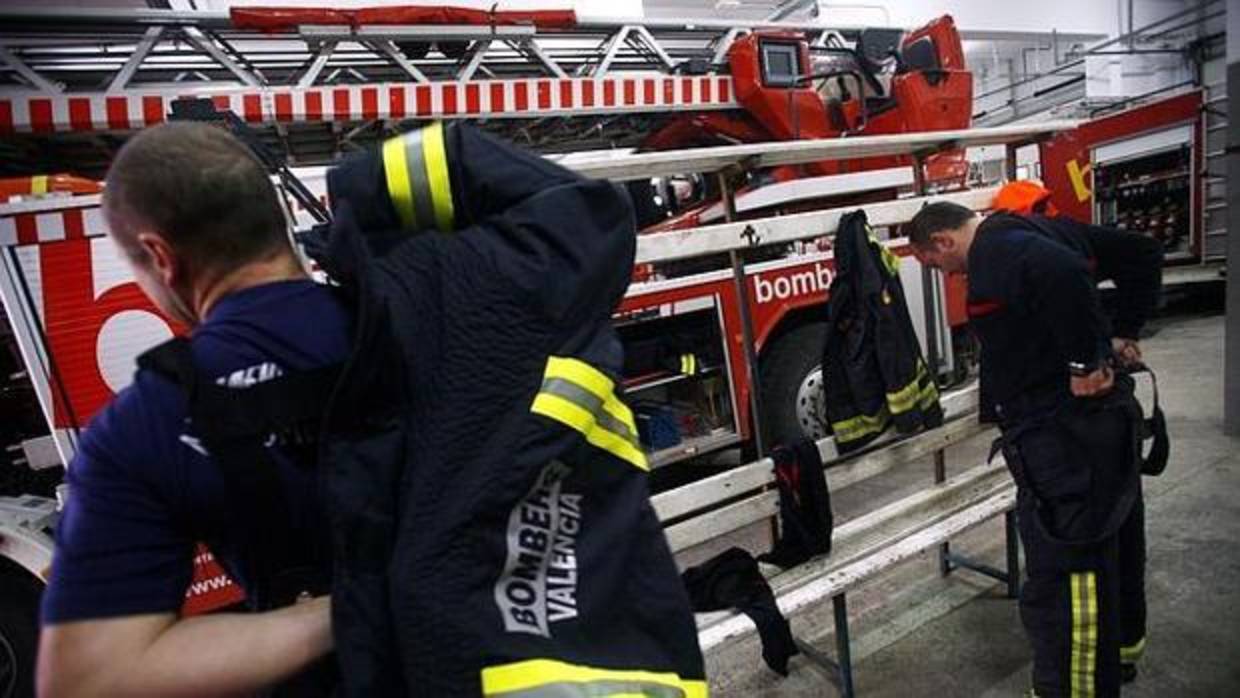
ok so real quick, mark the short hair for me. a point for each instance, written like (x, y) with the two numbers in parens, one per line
(198, 187)
(936, 218)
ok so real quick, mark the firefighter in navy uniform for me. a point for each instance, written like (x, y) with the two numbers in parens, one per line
(1068, 425)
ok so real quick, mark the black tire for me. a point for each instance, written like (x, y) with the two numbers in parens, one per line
(785, 365)
(19, 632)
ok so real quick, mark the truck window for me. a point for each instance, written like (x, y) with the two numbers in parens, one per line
(780, 64)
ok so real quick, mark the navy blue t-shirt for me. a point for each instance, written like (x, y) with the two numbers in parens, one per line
(142, 491)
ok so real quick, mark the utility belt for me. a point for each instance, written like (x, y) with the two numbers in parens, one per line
(1080, 459)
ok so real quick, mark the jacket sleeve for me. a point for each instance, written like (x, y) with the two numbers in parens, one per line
(899, 354)
(562, 242)
(1134, 263)
(1061, 293)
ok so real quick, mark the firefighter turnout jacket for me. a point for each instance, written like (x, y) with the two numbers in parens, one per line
(1030, 275)
(873, 371)
(493, 533)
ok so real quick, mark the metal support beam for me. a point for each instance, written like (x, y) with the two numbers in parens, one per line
(205, 44)
(531, 45)
(473, 59)
(653, 44)
(387, 48)
(741, 285)
(725, 43)
(148, 41)
(613, 47)
(316, 66)
(17, 64)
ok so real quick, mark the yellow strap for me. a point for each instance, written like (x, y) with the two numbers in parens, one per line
(396, 172)
(38, 184)
(525, 678)
(435, 153)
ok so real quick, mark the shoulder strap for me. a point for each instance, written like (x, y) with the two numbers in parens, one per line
(236, 426)
(1154, 429)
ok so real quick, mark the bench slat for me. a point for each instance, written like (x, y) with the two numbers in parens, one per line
(844, 579)
(700, 529)
(751, 510)
(871, 532)
(709, 491)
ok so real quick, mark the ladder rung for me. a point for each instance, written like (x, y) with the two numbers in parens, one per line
(1217, 127)
(1215, 207)
(1216, 232)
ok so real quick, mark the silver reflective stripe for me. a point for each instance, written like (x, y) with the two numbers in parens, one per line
(594, 689)
(419, 182)
(589, 402)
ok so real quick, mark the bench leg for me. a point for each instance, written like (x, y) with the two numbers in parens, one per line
(1013, 555)
(843, 648)
(839, 671)
(940, 475)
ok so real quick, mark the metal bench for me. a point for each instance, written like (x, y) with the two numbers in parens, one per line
(863, 546)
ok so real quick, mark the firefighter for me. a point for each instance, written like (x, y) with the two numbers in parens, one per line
(1067, 422)
(198, 221)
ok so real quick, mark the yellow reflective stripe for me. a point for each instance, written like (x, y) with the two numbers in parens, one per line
(890, 260)
(860, 426)
(435, 154)
(572, 415)
(688, 364)
(1131, 654)
(396, 173)
(603, 420)
(38, 184)
(581, 373)
(525, 678)
(929, 394)
(1084, 633)
(905, 398)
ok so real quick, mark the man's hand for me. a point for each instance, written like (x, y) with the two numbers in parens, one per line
(1128, 351)
(1093, 384)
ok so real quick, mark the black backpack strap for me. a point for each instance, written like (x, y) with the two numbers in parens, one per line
(237, 426)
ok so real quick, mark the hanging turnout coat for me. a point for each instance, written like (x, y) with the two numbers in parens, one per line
(873, 371)
(492, 528)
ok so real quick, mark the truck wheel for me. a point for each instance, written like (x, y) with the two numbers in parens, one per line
(792, 401)
(19, 632)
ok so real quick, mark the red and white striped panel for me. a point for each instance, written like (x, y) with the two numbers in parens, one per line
(58, 224)
(41, 113)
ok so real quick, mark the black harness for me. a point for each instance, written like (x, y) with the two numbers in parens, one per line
(238, 427)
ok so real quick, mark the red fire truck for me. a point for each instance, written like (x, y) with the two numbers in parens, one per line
(315, 83)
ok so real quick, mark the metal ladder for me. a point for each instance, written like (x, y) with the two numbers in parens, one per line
(1214, 170)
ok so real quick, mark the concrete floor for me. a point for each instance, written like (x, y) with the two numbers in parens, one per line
(917, 634)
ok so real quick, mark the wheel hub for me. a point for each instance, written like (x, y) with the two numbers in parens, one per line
(811, 410)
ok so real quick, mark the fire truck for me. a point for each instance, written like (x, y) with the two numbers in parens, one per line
(314, 84)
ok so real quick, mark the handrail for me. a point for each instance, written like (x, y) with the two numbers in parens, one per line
(761, 155)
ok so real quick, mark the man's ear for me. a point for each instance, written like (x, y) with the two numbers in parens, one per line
(944, 241)
(163, 258)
